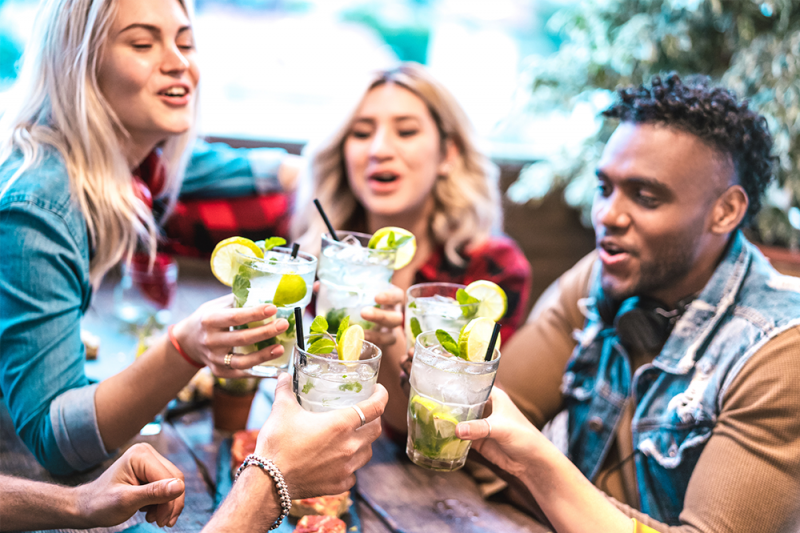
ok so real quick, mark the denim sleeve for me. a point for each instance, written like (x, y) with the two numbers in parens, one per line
(44, 288)
(217, 170)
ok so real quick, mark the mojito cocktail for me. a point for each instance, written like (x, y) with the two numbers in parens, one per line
(445, 390)
(281, 280)
(323, 382)
(350, 276)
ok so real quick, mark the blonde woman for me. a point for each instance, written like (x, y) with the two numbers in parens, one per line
(407, 158)
(105, 111)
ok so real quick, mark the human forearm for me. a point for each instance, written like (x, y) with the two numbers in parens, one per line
(395, 415)
(252, 505)
(129, 400)
(22, 507)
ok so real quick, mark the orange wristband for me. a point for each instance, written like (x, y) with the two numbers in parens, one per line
(177, 346)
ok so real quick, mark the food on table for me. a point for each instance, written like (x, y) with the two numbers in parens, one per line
(448, 306)
(200, 387)
(335, 371)
(91, 343)
(320, 524)
(447, 388)
(335, 505)
(260, 273)
(358, 267)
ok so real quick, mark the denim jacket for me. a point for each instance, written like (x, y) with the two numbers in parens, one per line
(45, 290)
(679, 396)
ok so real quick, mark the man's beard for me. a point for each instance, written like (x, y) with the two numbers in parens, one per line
(673, 261)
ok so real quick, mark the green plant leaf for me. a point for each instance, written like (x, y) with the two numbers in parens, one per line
(470, 303)
(415, 327)
(272, 242)
(402, 240)
(412, 305)
(447, 342)
(241, 287)
(343, 325)
(319, 325)
(321, 346)
(307, 387)
(390, 242)
(334, 318)
(355, 387)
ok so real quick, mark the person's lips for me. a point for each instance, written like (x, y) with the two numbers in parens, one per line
(383, 181)
(177, 94)
(612, 253)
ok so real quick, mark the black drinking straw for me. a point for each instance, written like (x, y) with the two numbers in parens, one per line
(327, 222)
(298, 327)
(490, 351)
(295, 249)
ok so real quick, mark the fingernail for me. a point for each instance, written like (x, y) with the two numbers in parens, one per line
(462, 430)
(174, 486)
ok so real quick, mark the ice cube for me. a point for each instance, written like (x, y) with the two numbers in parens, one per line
(351, 240)
(365, 372)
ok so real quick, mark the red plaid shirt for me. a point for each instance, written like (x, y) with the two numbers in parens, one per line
(499, 260)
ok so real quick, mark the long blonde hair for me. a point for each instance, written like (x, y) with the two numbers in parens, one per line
(466, 200)
(57, 102)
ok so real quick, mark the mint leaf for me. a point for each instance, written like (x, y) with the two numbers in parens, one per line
(272, 242)
(334, 318)
(268, 342)
(470, 303)
(390, 241)
(402, 240)
(307, 387)
(412, 305)
(355, 387)
(447, 342)
(321, 346)
(319, 325)
(343, 325)
(291, 320)
(415, 327)
(241, 287)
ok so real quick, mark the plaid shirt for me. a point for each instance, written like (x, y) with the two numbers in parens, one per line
(499, 260)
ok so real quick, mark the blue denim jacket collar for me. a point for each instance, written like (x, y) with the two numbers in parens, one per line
(680, 351)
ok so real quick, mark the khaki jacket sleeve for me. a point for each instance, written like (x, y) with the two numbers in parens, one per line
(533, 361)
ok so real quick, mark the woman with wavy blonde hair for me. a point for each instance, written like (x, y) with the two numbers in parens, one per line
(104, 110)
(407, 158)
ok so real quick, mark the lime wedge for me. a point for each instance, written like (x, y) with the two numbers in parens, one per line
(350, 344)
(423, 408)
(493, 301)
(473, 341)
(223, 265)
(445, 425)
(394, 238)
(291, 288)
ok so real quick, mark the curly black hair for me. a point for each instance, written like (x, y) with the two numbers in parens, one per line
(715, 115)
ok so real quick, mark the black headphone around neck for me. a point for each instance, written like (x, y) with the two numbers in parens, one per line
(642, 324)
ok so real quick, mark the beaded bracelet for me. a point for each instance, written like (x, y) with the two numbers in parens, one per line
(280, 485)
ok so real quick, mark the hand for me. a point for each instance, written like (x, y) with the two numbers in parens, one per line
(388, 318)
(140, 479)
(513, 437)
(207, 338)
(405, 371)
(318, 453)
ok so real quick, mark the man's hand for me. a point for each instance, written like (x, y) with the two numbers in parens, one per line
(140, 479)
(318, 453)
(512, 438)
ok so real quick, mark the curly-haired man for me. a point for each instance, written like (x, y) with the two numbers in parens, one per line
(673, 348)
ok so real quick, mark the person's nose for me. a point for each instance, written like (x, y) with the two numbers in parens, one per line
(611, 212)
(174, 61)
(381, 147)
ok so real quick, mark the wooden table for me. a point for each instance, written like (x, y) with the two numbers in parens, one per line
(401, 496)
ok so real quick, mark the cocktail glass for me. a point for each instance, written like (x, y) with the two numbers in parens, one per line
(323, 382)
(257, 281)
(445, 390)
(350, 276)
(432, 306)
(146, 292)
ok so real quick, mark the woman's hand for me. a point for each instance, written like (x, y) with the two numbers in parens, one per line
(207, 338)
(318, 453)
(513, 438)
(387, 318)
(140, 479)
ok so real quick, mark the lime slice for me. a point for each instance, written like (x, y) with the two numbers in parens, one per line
(455, 449)
(291, 288)
(473, 341)
(493, 301)
(387, 239)
(423, 408)
(350, 345)
(445, 425)
(223, 265)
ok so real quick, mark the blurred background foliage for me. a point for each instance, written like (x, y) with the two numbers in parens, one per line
(751, 46)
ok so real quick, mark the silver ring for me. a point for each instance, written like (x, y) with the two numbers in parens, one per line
(228, 358)
(490, 427)
(360, 415)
